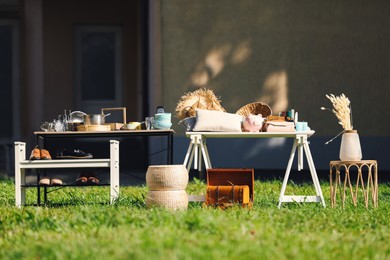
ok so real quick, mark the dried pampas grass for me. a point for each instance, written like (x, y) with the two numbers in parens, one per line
(200, 98)
(342, 110)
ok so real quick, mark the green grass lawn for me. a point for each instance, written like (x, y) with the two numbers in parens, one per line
(85, 226)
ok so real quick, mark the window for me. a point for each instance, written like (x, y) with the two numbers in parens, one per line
(98, 51)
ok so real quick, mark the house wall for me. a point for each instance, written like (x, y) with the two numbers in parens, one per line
(49, 54)
(288, 54)
(59, 19)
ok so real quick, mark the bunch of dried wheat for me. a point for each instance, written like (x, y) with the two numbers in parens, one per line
(342, 110)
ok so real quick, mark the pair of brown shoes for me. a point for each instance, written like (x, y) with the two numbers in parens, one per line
(87, 178)
(40, 154)
(46, 181)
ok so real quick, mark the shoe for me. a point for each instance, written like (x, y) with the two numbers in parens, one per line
(87, 177)
(45, 155)
(35, 154)
(73, 154)
(45, 181)
(93, 181)
(83, 177)
(56, 182)
(81, 180)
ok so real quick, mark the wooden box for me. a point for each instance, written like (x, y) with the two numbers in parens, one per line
(116, 125)
(94, 128)
(227, 195)
(276, 118)
(232, 177)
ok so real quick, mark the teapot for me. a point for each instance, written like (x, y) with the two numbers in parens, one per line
(253, 123)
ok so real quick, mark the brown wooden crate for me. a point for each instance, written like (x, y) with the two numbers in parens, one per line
(232, 176)
(220, 195)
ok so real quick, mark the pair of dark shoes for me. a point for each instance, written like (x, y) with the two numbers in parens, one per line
(87, 178)
(73, 154)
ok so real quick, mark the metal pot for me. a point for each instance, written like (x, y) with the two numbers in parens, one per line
(77, 117)
(95, 119)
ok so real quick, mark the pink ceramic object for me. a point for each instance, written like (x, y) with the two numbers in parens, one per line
(253, 123)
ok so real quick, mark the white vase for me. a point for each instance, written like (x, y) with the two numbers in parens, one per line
(350, 149)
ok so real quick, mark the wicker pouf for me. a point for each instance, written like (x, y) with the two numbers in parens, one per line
(167, 184)
(173, 199)
(167, 177)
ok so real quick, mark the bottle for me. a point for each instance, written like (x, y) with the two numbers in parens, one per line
(65, 121)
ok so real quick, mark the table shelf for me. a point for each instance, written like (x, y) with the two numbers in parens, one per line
(21, 165)
(63, 185)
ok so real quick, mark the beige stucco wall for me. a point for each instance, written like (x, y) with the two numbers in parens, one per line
(288, 54)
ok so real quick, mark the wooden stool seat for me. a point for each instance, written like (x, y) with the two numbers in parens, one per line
(345, 167)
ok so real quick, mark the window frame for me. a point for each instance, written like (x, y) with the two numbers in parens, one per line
(95, 105)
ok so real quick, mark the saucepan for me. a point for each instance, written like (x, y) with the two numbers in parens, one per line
(95, 119)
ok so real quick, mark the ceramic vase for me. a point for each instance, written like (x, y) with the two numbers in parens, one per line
(350, 149)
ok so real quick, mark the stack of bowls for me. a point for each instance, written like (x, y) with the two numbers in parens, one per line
(162, 121)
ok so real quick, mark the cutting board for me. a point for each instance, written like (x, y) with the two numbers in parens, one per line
(91, 128)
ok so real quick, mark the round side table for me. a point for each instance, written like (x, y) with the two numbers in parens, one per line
(341, 180)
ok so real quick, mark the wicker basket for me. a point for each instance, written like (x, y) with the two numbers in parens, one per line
(175, 200)
(255, 108)
(166, 177)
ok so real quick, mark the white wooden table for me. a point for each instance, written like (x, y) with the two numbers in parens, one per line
(198, 154)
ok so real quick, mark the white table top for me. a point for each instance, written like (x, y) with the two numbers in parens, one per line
(250, 134)
(114, 132)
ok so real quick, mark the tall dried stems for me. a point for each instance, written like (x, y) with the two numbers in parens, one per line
(342, 110)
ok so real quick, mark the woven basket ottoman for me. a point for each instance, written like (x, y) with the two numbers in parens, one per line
(167, 184)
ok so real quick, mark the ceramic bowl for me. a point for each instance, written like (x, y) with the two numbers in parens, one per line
(163, 116)
(160, 126)
(188, 123)
(133, 126)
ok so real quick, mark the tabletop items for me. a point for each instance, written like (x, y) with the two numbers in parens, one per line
(201, 110)
(254, 117)
(81, 121)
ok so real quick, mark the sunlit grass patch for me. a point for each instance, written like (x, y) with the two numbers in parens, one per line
(79, 223)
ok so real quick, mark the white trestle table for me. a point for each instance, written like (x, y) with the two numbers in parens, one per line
(197, 151)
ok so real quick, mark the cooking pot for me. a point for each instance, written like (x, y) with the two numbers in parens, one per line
(95, 119)
(76, 117)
